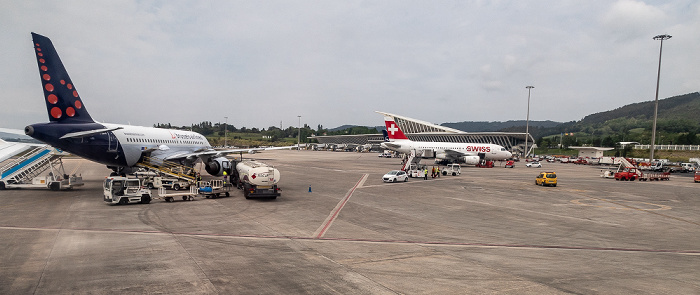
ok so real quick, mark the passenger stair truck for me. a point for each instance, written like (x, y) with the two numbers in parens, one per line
(256, 179)
(27, 171)
(411, 161)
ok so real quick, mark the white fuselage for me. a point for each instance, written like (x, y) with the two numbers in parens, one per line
(446, 150)
(161, 142)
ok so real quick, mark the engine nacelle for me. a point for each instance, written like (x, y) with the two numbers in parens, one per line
(471, 160)
(217, 166)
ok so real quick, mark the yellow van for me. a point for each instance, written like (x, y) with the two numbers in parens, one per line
(546, 178)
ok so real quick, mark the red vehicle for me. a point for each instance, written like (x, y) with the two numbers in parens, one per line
(627, 174)
(511, 164)
(580, 161)
(485, 164)
(697, 176)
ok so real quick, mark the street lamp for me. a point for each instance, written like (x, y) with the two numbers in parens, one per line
(299, 136)
(225, 132)
(527, 123)
(656, 101)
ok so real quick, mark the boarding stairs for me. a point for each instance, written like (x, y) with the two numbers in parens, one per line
(168, 168)
(626, 164)
(30, 165)
(411, 159)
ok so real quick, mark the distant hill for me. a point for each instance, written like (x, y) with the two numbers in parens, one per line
(483, 126)
(685, 106)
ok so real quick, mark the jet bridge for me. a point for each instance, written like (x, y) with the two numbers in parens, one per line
(25, 171)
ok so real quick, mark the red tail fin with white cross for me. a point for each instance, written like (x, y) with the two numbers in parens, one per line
(393, 130)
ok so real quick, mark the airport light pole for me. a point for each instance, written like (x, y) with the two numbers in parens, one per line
(225, 132)
(527, 122)
(656, 101)
(299, 136)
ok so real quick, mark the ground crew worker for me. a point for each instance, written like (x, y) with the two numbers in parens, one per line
(225, 175)
(437, 170)
(425, 175)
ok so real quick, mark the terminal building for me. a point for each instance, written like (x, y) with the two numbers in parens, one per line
(418, 130)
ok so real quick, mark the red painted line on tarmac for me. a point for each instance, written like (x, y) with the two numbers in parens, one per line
(338, 208)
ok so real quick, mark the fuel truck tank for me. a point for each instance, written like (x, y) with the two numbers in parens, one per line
(257, 179)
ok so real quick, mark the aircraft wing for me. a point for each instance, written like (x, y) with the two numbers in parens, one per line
(220, 153)
(9, 149)
(457, 154)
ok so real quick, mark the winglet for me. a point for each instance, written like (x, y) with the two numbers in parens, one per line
(63, 103)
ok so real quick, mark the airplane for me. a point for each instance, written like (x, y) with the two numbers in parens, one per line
(468, 153)
(119, 147)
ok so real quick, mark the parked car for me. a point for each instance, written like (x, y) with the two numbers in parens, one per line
(533, 165)
(546, 178)
(395, 176)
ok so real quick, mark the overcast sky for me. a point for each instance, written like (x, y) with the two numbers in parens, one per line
(262, 63)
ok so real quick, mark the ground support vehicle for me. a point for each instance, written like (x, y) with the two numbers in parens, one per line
(452, 169)
(213, 189)
(27, 171)
(171, 183)
(546, 179)
(170, 196)
(122, 190)
(416, 170)
(485, 164)
(510, 164)
(628, 174)
(655, 176)
(697, 176)
(256, 179)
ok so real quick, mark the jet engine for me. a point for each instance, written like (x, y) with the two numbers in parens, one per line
(217, 166)
(471, 160)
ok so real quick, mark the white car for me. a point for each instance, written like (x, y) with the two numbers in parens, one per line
(533, 165)
(395, 176)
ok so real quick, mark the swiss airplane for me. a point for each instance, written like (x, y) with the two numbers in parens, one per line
(120, 147)
(469, 153)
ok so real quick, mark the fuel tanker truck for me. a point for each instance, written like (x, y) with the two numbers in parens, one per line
(256, 179)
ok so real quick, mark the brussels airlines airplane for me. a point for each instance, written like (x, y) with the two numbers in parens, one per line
(120, 147)
(469, 153)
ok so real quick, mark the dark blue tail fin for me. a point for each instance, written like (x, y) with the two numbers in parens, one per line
(386, 135)
(62, 100)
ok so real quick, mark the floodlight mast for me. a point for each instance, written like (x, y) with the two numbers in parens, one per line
(656, 100)
(527, 122)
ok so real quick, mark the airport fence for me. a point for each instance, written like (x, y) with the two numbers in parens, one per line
(669, 147)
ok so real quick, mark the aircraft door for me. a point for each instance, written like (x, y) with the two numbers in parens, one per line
(113, 142)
